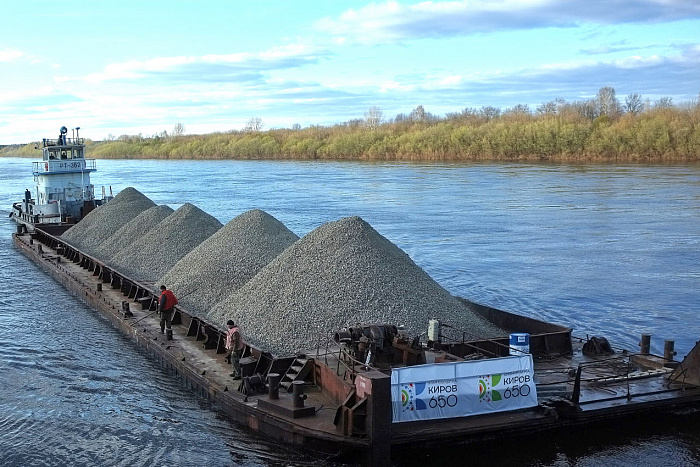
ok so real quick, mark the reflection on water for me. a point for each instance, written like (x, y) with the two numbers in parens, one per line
(607, 250)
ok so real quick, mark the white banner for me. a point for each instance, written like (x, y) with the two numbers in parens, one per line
(459, 389)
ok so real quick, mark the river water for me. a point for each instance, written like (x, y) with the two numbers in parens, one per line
(610, 251)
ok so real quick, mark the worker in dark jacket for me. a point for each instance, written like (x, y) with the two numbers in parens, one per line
(165, 306)
(235, 346)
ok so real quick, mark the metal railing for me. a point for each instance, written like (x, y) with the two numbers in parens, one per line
(64, 165)
(63, 141)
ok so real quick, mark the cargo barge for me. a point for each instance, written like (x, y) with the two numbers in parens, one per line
(328, 400)
(371, 389)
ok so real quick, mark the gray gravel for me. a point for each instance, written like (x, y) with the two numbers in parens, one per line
(132, 231)
(342, 273)
(153, 254)
(103, 222)
(228, 259)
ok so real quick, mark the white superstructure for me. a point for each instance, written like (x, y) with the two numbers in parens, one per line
(62, 191)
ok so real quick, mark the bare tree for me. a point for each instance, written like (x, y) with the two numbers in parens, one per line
(400, 118)
(373, 117)
(663, 103)
(587, 109)
(607, 102)
(464, 114)
(551, 107)
(518, 110)
(418, 114)
(179, 130)
(490, 112)
(253, 125)
(634, 104)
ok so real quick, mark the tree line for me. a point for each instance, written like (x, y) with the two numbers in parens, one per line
(602, 129)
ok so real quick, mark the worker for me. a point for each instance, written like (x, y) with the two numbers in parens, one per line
(165, 307)
(235, 346)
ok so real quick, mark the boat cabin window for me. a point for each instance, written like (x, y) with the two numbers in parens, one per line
(63, 153)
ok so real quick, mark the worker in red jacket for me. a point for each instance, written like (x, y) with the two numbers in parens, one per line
(165, 306)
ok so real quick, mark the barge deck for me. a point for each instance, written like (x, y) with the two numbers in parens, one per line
(346, 407)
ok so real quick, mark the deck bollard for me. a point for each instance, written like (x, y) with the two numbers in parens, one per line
(298, 395)
(645, 344)
(273, 381)
(99, 287)
(669, 353)
(126, 309)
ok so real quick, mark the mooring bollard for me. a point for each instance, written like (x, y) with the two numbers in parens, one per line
(99, 287)
(126, 309)
(273, 381)
(645, 344)
(298, 395)
(669, 353)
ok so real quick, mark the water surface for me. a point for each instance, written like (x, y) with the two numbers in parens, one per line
(608, 250)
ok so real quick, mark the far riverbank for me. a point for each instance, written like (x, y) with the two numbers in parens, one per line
(660, 135)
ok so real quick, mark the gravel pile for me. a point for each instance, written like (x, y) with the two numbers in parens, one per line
(101, 223)
(228, 259)
(133, 230)
(153, 254)
(340, 274)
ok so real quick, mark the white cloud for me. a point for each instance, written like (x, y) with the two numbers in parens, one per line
(391, 21)
(211, 66)
(10, 55)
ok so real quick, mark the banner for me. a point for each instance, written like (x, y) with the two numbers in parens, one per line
(460, 389)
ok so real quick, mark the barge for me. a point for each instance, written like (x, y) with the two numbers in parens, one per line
(370, 389)
(331, 400)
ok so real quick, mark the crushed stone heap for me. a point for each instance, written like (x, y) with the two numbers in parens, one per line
(225, 261)
(157, 251)
(102, 222)
(132, 231)
(342, 273)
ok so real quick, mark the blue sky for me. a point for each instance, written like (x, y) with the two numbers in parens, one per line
(130, 67)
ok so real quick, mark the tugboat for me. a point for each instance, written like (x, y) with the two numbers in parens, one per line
(62, 194)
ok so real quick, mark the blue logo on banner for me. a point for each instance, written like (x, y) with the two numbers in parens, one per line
(409, 399)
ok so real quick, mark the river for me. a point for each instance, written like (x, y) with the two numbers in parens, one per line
(609, 250)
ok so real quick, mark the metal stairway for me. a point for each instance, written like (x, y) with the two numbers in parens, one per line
(298, 370)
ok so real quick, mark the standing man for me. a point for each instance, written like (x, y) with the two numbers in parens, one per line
(165, 306)
(234, 345)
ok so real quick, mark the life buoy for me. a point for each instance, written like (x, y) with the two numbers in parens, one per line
(46, 166)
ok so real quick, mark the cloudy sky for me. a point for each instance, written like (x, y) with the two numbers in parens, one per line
(135, 66)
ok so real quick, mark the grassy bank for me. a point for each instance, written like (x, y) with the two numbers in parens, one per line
(663, 135)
